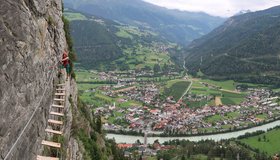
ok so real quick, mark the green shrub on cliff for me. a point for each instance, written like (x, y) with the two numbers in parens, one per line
(88, 130)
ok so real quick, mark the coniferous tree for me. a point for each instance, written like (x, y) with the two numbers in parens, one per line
(98, 124)
(156, 68)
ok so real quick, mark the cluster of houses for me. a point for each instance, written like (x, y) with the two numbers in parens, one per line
(166, 116)
(157, 115)
(170, 117)
(129, 76)
(141, 93)
(138, 149)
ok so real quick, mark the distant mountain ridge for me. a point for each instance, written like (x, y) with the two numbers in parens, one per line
(243, 12)
(244, 45)
(177, 26)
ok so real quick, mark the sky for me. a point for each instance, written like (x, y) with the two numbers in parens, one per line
(222, 8)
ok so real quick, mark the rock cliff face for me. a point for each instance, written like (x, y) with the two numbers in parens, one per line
(31, 42)
(73, 149)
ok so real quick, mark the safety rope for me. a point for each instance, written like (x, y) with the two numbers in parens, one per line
(33, 114)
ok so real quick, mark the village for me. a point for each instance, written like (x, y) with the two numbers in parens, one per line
(161, 115)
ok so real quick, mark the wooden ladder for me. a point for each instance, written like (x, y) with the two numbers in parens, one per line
(54, 121)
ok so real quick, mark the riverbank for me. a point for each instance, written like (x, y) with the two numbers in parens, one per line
(160, 134)
(132, 139)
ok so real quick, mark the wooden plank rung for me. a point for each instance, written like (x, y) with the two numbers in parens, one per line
(46, 158)
(56, 99)
(60, 89)
(57, 106)
(56, 114)
(55, 122)
(59, 94)
(51, 144)
(53, 131)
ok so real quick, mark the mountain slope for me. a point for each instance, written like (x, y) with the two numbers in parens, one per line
(245, 44)
(94, 43)
(106, 45)
(177, 26)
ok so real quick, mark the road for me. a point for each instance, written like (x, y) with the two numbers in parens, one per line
(186, 77)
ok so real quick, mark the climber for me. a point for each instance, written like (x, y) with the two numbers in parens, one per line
(66, 63)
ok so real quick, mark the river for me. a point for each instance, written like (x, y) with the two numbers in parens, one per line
(216, 137)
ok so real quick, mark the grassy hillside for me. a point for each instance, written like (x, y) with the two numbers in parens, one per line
(244, 48)
(88, 131)
(93, 43)
(106, 45)
(71, 16)
(268, 142)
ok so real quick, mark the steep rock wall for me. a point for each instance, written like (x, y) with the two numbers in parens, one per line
(72, 147)
(31, 41)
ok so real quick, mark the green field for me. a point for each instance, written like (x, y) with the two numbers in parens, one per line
(123, 34)
(232, 115)
(276, 90)
(206, 91)
(207, 130)
(214, 118)
(74, 16)
(196, 84)
(87, 98)
(93, 98)
(233, 95)
(141, 56)
(113, 118)
(86, 76)
(262, 116)
(129, 104)
(96, 98)
(257, 85)
(231, 100)
(270, 145)
(227, 97)
(86, 86)
(172, 82)
(176, 88)
(228, 85)
(196, 157)
(197, 104)
(104, 97)
(135, 31)
(152, 158)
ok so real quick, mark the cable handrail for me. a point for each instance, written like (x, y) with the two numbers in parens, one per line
(33, 114)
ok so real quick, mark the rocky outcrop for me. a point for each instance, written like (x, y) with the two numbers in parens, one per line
(72, 147)
(31, 42)
(74, 151)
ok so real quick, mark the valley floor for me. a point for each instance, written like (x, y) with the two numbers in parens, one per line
(135, 102)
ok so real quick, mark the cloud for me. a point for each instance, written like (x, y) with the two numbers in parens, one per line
(223, 8)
